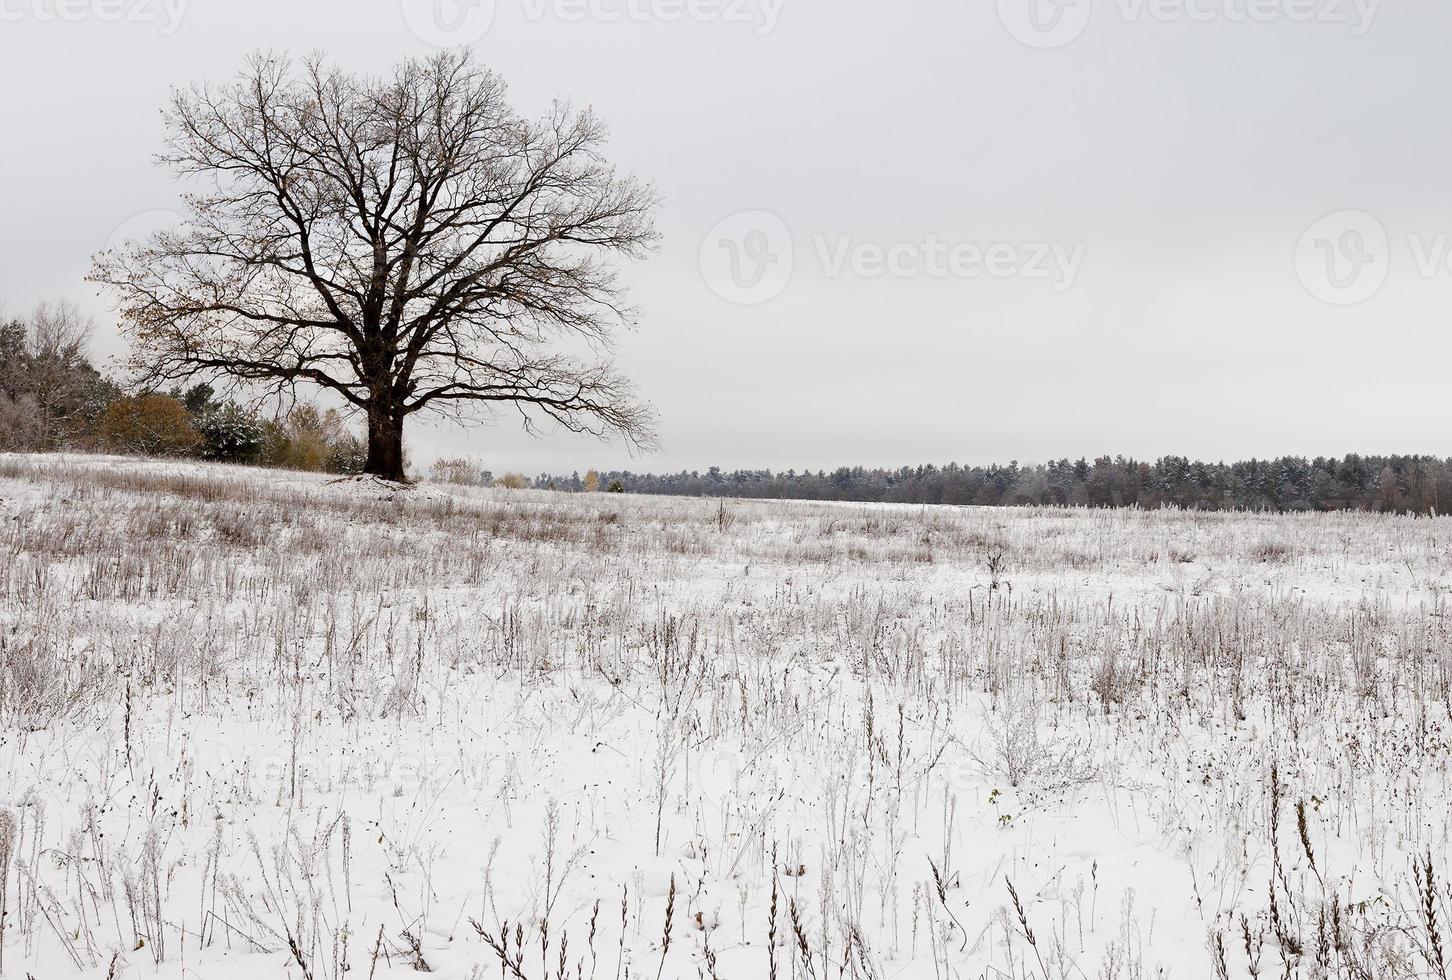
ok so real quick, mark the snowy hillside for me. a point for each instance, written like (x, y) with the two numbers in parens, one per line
(260, 724)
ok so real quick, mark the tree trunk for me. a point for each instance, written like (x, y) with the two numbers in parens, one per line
(385, 443)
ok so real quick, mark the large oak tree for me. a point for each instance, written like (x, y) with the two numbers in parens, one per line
(408, 243)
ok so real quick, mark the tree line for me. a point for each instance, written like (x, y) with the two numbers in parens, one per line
(1400, 484)
(53, 398)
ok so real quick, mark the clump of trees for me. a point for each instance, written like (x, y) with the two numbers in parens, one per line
(1399, 484)
(50, 394)
(53, 398)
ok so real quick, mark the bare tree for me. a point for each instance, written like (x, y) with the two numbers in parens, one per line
(408, 243)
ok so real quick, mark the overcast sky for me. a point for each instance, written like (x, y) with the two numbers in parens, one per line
(972, 230)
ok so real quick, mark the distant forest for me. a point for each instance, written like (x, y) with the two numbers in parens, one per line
(1403, 484)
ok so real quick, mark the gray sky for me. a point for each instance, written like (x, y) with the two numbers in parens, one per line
(976, 230)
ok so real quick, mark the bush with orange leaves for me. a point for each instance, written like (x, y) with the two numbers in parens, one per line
(148, 425)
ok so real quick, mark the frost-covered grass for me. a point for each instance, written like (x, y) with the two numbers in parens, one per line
(261, 724)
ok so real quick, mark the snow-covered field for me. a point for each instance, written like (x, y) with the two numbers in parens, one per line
(264, 725)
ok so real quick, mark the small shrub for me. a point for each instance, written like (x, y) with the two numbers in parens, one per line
(292, 450)
(461, 471)
(347, 455)
(313, 440)
(149, 425)
(230, 434)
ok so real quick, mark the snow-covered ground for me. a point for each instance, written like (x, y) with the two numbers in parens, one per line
(270, 725)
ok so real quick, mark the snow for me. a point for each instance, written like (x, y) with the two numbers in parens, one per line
(242, 706)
